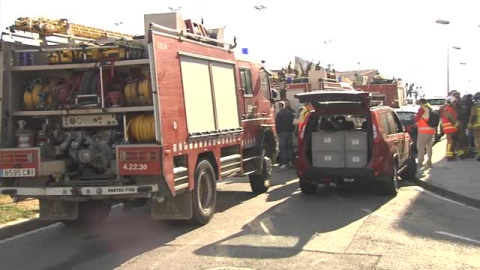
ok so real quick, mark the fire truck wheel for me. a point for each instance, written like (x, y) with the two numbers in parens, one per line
(261, 182)
(204, 193)
(90, 213)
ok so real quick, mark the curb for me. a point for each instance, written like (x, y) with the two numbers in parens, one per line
(14, 229)
(448, 194)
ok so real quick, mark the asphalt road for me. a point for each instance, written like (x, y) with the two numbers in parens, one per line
(282, 229)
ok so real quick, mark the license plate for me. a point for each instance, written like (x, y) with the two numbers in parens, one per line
(349, 180)
(24, 172)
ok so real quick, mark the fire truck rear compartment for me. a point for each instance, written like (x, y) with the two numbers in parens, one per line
(76, 133)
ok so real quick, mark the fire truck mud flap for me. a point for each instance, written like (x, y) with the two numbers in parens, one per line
(58, 210)
(178, 207)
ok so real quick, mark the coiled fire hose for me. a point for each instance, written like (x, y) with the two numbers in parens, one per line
(141, 128)
(40, 96)
(140, 91)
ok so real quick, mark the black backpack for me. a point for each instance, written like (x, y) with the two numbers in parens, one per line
(434, 119)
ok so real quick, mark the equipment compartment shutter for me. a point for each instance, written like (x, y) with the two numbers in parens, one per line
(223, 77)
(197, 92)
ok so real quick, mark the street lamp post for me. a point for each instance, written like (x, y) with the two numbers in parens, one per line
(446, 22)
(448, 67)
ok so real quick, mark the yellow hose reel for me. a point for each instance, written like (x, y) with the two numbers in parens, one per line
(138, 93)
(141, 128)
(40, 97)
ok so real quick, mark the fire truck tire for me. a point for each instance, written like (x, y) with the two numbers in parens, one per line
(90, 213)
(260, 183)
(204, 193)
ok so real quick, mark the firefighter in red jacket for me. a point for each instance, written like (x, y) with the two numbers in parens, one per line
(450, 125)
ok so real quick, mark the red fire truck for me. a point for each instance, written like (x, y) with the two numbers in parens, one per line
(157, 119)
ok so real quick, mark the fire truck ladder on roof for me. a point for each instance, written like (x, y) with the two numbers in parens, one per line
(195, 28)
(52, 27)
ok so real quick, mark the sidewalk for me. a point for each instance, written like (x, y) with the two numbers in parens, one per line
(460, 179)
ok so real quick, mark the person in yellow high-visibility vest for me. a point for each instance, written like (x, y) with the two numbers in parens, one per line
(474, 123)
(303, 114)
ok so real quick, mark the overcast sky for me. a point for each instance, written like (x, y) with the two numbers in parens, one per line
(399, 38)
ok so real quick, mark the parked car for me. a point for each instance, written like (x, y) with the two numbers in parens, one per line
(408, 121)
(346, 141)
(436, 102)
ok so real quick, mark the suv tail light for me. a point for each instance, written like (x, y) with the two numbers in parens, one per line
(301, 133)
(376, 133)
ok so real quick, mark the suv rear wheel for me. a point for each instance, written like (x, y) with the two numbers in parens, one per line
(390, 186)
(306, 187)
(410, 171)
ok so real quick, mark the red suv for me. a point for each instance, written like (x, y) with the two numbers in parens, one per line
(345, 141)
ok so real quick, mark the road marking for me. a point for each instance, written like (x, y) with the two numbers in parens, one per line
(265, 229)
(30, 232)
(443, 198)
(459, 237)
(368, 211)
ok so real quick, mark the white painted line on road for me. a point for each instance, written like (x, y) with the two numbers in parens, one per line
(368, 211)
(443, 198)
(459, 237)
(30, 232)
(265, 229)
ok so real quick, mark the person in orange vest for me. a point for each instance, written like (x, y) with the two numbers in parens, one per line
(426, 133)
(450, 123)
